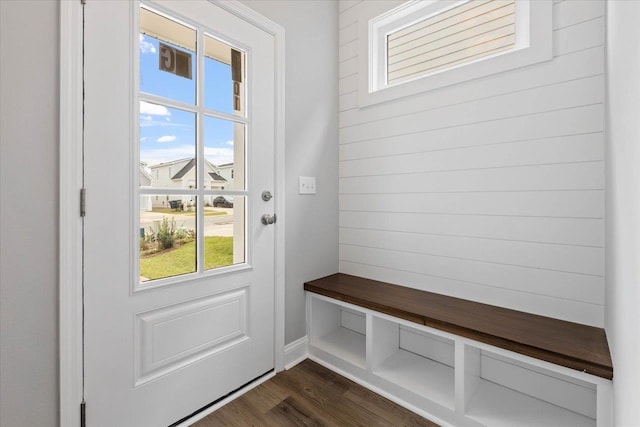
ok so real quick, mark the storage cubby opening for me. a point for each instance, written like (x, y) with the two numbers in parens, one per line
(339, 331)
(509, 392)
(415, 360)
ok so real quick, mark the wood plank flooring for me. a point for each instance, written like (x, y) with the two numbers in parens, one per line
(311, 395)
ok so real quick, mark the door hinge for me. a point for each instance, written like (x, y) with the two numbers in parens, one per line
(83, 201)
(83, 414)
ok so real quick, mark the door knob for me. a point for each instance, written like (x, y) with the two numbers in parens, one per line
(268, 219)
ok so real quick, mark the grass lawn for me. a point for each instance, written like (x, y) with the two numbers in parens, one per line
(218, 252)
(192, 213)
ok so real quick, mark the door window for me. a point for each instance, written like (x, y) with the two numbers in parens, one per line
(192, 133)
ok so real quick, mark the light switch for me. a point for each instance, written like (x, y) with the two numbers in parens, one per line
(307, 185)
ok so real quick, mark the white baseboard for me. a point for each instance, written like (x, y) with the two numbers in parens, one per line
(296, 352)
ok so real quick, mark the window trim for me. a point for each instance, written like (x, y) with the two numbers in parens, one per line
(534, 44)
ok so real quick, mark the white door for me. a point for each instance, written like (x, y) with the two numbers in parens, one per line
(179, 293)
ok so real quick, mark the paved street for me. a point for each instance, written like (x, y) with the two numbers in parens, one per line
(216, 225)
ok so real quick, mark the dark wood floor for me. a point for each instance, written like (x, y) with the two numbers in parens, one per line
(311, 395)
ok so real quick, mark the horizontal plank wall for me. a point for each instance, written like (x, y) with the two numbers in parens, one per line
(490, 190)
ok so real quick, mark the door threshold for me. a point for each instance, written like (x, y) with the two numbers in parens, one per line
(219, 403)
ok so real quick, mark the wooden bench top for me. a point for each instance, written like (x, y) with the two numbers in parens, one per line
(568, 344)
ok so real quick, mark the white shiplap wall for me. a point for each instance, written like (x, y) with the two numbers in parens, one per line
(490, 190)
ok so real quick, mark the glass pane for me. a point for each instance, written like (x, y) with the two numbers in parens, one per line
(224, 145)
(168, 146)
(167, 58)
(224, 231)
(223, 77)
(167, 226)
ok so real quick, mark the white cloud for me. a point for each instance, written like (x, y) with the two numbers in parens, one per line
(153, 109)
(144, 138)
(156, 156)
(166, 138)
(218, 156)
(145, 46)
(149, 122)
(229, 143)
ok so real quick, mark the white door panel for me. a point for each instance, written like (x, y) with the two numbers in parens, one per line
(157, 351)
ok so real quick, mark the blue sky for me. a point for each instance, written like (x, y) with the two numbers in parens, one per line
(168, 134)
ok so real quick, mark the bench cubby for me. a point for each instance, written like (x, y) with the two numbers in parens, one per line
(452, 378)
(338, 331)
(505, 391)
(415, 360)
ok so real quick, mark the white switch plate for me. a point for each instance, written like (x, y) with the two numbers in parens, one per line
(307, 185)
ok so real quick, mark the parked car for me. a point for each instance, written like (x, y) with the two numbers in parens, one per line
(223, 202)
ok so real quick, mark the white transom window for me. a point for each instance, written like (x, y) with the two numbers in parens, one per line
(425, 45)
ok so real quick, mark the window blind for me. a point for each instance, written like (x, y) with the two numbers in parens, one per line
(461, 34)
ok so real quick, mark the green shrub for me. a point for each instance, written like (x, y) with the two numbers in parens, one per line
(165, 234)
(185, 235)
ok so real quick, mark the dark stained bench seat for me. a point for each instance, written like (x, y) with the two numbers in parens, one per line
(568, 344)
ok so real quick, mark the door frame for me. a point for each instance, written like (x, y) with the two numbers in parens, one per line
(71, 181)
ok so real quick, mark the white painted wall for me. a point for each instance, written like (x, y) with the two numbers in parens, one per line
(29, 213)
(490, 190)
(311, 238)
(623, 207)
